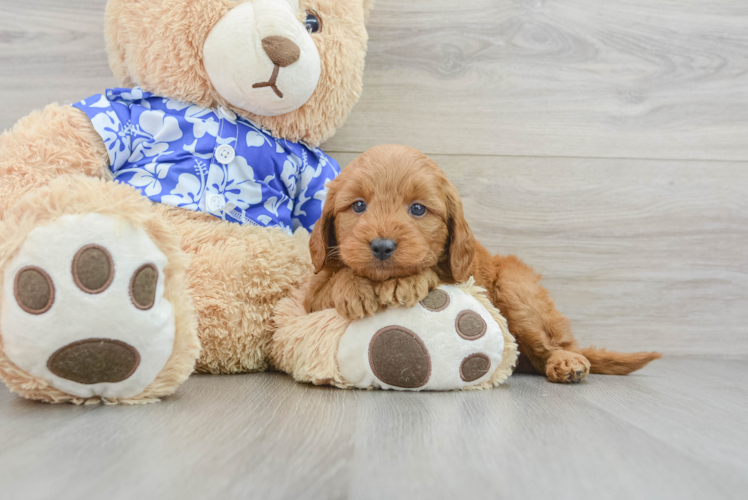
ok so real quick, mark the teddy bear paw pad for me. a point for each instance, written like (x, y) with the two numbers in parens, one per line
(84, 309)
(448, 341)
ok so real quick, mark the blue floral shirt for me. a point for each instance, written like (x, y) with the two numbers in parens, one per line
(210, 160)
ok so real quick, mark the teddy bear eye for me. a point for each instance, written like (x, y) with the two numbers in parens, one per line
(417, 210)
(313, 23)
(359, 206)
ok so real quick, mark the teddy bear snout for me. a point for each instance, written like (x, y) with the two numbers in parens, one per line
(261, 59)
(282, 51)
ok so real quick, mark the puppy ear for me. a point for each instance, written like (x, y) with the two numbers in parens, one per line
(323, 234)
(461, 242)
(368, 5)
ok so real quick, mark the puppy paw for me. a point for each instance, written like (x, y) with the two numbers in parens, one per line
(406, 292)
(566, 367)
(356, 307)
(353, 296)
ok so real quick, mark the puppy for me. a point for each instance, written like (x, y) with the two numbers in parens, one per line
(392, 229)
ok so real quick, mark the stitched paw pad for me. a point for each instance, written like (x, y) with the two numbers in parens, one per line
(447, 341)
(83, 307)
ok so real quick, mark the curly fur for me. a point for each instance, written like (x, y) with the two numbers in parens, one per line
(437, 247)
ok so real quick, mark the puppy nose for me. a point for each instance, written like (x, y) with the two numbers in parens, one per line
(282, 51)
(382, 249)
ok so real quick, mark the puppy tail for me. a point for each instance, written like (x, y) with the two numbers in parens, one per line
(617, 363)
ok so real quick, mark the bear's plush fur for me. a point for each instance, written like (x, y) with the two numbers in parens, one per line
(222, 280)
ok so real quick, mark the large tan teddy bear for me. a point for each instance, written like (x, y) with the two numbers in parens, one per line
(143, 224)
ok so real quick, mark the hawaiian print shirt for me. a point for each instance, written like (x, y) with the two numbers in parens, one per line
(210, 160)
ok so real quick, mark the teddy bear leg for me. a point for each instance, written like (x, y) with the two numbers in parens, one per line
(448, 341)
(60, 140)
(94, 299)
(237, 275)
(453, 339)
(306, 345)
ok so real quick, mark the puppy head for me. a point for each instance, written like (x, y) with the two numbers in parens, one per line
(393, 213)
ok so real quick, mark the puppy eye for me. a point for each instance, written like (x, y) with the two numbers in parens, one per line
(312, 23)
(359, 206)
(417, 210)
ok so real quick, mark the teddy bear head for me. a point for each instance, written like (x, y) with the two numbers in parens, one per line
(293, 66)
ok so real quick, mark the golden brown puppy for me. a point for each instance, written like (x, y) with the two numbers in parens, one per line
(392, 230)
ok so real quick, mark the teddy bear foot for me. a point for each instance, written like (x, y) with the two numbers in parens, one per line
(449, 341)
(454, 339)
(83, 307)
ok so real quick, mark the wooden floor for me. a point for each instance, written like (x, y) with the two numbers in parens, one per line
(606, 143)
(676, 430)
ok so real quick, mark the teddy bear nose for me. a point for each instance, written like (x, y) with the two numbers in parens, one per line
(382, 249)
(282, 51)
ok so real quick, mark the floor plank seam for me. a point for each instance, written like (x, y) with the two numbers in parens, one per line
(565, 157)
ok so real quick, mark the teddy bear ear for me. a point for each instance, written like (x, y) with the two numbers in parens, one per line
(368, 5)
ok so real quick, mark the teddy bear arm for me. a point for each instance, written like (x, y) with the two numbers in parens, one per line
(57, 141)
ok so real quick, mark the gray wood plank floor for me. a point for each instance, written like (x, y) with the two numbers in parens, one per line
(602, 142)
(616, 78)
(674, 430)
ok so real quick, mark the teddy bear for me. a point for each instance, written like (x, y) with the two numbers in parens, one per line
(150, 231)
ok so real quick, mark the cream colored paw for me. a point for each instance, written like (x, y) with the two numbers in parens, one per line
(447, 341)
(83, 307)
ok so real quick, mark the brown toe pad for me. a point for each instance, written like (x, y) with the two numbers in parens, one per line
(474, 367)
(93, 269)
(470, 325)
(143, 286)
(34, 290)
(436, 301)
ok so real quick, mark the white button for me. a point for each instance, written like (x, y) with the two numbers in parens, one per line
(216, 202)
(227, 113)
(225, 154)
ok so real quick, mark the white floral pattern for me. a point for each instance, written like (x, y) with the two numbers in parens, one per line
(166, 149)
(149, 177)
(115, 135)
(153, 135)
